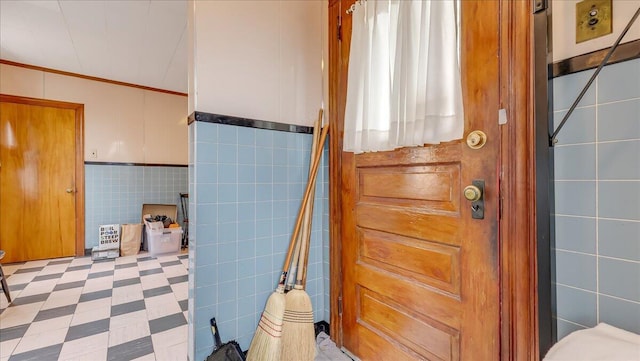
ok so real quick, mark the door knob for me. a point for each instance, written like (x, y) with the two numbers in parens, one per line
(69, 190)
(472, 193)
(475, 194)
(476, 139)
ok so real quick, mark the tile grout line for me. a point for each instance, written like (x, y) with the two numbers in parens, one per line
(596, 255)
(571, 322)
(597, 294)
(569, 145)
(595, 104)
(599, 218)
(598, 180)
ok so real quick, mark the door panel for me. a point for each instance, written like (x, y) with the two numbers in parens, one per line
(400, 186)
(420, 332)
(419, 275)
(409, 222)
(405, 256)
(38, 181)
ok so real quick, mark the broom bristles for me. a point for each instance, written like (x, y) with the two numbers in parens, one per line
(267, 341)
(298, 334)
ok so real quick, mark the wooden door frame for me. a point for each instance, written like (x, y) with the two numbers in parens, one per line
(518, 238)
(518, 226)
(79, 156)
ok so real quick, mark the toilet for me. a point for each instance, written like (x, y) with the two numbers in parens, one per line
(603, 342)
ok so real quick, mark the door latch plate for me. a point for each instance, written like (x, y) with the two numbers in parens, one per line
(477, 207)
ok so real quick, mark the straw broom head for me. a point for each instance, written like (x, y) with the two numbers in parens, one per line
(267, 341)
(298, 334)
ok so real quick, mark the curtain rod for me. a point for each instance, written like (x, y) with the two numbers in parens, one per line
(552, 138)
(352, 8)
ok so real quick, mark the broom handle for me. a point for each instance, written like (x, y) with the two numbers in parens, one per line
(309, 226)
(306, 235)
(291, 277)
(305, 200)
(302, 259)
(306, 238)
(308, 216)
(293, 268)
(304, 251)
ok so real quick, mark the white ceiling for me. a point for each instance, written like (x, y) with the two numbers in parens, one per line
(135, 41)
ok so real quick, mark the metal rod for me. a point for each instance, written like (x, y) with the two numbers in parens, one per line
(552, 139)
(352, 8)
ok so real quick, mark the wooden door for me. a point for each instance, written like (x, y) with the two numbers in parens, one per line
(420, 277)
(39, 179)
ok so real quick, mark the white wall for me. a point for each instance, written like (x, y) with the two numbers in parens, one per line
(191, 54)
(564, 28)
(257, 59)
(123, 124)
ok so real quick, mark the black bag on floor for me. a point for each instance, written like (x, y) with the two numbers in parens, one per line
(229, 351)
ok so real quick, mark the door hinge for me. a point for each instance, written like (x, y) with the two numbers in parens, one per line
(340, 305)
(339, 30)
(539, 5)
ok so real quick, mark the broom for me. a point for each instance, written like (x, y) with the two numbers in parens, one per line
(266, 343)
(298, 334)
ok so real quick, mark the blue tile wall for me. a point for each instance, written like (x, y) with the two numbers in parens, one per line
(247, 185)
(577, 304)
(114, 194)
(597, 200)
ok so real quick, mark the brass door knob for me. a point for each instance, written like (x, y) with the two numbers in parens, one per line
(476, 139)
(472, 193)
(69, 190)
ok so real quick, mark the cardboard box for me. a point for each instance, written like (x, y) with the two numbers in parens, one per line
(169, 210)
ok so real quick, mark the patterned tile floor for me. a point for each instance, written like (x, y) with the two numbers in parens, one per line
(130, 308)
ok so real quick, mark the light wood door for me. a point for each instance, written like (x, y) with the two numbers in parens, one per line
(420, 277)
(38, 154)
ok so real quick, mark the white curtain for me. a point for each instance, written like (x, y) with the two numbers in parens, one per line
(404, 78)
